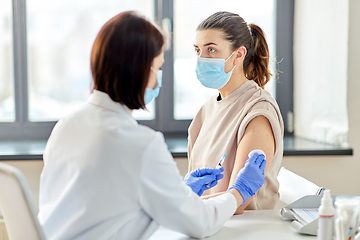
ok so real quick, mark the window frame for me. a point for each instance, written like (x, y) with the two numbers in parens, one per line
(285, 62)
(164, 118)
(23, 129)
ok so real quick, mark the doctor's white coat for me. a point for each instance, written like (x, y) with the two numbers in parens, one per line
(107, 177)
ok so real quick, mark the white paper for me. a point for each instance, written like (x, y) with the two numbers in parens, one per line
(305, 215)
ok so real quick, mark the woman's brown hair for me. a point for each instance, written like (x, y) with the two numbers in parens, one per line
(252, 37)
(121, 57)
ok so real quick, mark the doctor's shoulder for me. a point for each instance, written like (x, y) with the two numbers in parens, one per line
(147, 134)
(75, 116)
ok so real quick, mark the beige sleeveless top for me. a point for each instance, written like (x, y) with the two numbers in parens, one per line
(219, 127)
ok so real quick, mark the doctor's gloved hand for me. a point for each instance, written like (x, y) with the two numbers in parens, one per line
(202, 179)
(251, 177)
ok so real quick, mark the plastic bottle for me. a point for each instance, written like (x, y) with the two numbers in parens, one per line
(326, 217)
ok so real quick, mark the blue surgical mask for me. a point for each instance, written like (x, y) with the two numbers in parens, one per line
(210, 72)
(150, 93)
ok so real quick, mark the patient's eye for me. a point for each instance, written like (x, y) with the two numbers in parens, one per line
(197, 51)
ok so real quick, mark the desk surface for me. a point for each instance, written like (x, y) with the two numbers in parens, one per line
(261, 224)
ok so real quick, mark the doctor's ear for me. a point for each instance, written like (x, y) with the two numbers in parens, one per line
(240, 55)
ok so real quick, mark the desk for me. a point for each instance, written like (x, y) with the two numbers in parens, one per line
(259, 224)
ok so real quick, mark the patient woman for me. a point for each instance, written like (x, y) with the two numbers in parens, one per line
(233, 57)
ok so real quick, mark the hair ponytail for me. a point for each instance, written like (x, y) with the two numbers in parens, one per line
(256, 62)
(252, 37)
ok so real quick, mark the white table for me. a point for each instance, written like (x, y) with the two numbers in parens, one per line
(258, 224)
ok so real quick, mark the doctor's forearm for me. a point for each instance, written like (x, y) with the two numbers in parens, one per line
(237, 195)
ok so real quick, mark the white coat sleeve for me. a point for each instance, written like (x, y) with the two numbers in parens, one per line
(170, 202)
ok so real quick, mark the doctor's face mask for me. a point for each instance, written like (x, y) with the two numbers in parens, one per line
(150, 93)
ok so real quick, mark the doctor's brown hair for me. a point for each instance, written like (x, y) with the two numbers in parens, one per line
(252, 37)
(121, 57)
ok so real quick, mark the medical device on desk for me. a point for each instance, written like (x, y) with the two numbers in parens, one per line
(304, 214)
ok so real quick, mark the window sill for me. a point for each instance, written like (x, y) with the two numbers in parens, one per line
(293, 146)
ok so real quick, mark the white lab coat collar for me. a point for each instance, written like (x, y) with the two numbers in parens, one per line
(103, 100)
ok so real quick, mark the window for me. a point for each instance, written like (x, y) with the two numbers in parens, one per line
(60, 35)
(51, 53)
(7, 109)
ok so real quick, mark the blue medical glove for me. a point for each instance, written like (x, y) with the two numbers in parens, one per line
(204, 178)
(251, 177)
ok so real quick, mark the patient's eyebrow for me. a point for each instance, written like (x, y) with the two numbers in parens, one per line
(207, 44)
(210, 43)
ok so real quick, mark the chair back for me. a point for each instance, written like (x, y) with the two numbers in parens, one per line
(292, 186)
(17, 206)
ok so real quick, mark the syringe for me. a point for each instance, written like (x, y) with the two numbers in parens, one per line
(221, 161)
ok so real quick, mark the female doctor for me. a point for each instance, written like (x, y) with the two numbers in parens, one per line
(107, 177)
